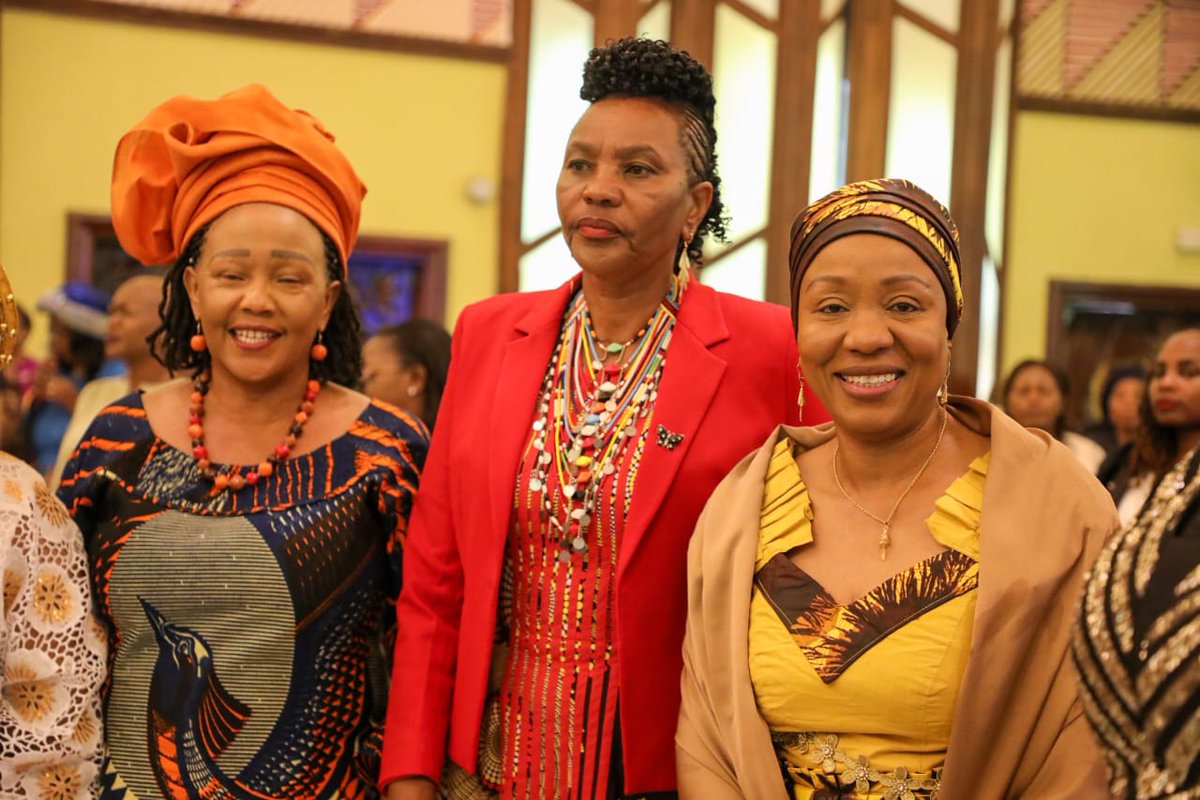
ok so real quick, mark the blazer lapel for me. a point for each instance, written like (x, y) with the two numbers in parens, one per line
(515, 394)
(690, 379)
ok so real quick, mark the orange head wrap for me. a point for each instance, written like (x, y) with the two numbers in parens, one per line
(191, 160)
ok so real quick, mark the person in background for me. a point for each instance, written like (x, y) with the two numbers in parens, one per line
(52, 649)
(1120, 398)
(538, 645)
(132, 318)
(882, 607)
(77, 326)
(406, 365)
(1135, 643)
(245, 524)
(1035, 395)
(22, 371)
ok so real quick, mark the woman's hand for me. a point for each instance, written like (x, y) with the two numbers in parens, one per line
(415, 788)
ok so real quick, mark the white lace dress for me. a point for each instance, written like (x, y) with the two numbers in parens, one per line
(52, 649)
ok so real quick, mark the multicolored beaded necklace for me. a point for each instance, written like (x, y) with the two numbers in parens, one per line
(592, 397)
(234, 480)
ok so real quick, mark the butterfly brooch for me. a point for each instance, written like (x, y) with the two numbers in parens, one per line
(667, 439)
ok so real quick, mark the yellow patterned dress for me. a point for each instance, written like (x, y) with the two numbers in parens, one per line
(859, 697)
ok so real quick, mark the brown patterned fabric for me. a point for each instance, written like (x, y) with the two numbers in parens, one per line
(834, 636)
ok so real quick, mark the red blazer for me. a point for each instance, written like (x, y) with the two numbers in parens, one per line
(730, 379)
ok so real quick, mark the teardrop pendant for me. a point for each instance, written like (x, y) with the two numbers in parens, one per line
(885, 541)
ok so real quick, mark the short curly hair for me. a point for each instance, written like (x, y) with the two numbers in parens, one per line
(171, 341)
(652, 68)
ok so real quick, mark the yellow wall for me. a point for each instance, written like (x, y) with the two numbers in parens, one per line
(1095, 199)
(415, 127)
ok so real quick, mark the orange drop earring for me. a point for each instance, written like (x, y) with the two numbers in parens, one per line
(319, 350)
(198, 343)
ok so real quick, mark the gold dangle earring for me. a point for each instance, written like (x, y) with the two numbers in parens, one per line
(943, 395)
(683, 266)
(800, 394)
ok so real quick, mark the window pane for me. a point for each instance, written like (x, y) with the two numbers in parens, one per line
(742, 272)
(828, 168)
(744, 83)
(547, 265)
(943, 12)
(560, 39)
(921, 117)
(993, 221)
(656, 23)
(989, 329)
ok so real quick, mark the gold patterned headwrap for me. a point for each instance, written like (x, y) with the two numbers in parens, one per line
(888, 207)
(9, 321)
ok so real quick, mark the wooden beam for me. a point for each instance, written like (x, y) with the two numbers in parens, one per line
(969, 172)
(512, 148)
(869, 70)
(616, 19)
(926, 24)
(795, 82)
(693, 24)
(753, 14)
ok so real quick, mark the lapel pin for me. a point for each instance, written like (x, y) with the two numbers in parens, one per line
(667, 439)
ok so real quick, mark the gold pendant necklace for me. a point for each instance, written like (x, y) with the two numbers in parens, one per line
(885, 539)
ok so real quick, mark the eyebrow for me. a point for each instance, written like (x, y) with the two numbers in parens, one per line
(623, 153)
(244, 253)
(891, 280)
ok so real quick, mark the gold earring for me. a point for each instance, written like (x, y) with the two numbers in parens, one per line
(800, 395)
(683, 266)
(943, 395)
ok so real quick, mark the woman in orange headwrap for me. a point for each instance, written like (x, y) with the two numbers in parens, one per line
(244, 526)
(881, 606)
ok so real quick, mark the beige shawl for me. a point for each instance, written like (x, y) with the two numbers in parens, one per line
(1017, 730)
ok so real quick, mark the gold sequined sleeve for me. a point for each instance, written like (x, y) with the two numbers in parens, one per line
(52, 649)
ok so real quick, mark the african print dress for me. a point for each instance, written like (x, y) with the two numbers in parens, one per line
(1137, 644)
(250, 631)
(859, 697)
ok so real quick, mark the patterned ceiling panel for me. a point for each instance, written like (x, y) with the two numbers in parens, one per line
(1138, 55)
(482, 22)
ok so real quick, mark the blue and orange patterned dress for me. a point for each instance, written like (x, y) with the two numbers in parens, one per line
(250, 631)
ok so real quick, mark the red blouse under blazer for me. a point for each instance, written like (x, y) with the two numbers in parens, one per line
(730, 379)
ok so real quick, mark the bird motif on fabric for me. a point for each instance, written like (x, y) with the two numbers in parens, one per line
(191, 718)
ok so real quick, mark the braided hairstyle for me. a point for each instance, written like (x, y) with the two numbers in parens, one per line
(651, 68)
(171, 341)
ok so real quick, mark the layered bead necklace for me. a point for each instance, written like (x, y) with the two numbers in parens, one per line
(234, 480)
(592, 398)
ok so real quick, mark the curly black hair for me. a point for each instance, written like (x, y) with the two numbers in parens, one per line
(171, 341)
(652, 68)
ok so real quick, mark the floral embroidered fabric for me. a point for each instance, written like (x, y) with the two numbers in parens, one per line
(52, 649)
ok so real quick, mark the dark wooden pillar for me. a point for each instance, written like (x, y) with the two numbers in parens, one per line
(974, 95)
(869, 70)
(796, 75)
(616, 19)
(512, 150)
(692, 28)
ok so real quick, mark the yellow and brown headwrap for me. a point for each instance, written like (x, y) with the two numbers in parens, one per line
(889, 207)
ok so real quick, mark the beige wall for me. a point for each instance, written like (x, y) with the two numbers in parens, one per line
(417, 128)
(1095, 199)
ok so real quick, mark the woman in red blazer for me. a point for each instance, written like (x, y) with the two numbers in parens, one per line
(582, 430)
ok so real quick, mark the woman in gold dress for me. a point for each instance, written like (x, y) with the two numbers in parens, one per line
(881, 607)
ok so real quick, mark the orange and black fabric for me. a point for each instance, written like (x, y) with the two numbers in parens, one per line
(888, 207)
(834, 636)
(190, 160)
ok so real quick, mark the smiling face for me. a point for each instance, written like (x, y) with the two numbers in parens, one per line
(1175, 382)
(871, 330)
(624, 197)
(261, 292)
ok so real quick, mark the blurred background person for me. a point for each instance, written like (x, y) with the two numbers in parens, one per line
(1035, 395)
(1136, 644)
(77, 325)
(52, 649)
(1120, 398)
(22, 370)
(133, 314)
(406, 365)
